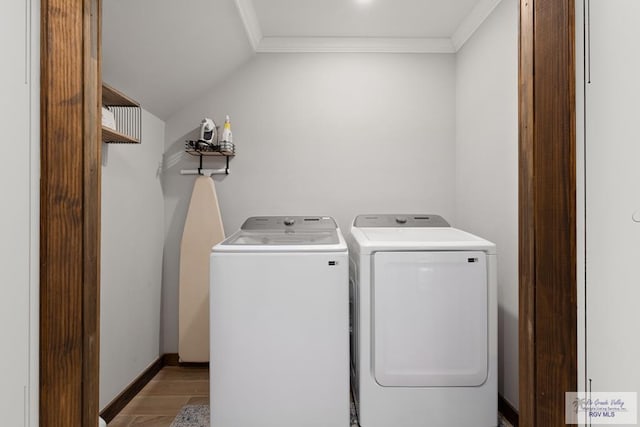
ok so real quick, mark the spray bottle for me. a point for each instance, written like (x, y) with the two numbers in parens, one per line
(226, 132)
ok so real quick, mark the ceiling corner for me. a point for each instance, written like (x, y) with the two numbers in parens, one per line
(250, 21)
(472, 22)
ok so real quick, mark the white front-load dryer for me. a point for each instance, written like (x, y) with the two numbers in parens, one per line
(424, 313)
(280, 325)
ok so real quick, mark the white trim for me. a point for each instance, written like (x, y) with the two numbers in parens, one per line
(250, 21)
(580, 204)
(472, 22)
(33, 397)
(354, 44)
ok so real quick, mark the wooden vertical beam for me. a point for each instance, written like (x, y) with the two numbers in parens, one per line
(555, 210)
(548, 283)
(92, 208)
(526, 238)
(70, 212)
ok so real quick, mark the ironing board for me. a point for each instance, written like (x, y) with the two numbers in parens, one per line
(202, 230)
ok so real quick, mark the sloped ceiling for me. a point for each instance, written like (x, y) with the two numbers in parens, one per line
(165, 53)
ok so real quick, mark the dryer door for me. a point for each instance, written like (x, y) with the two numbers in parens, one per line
(430, 319)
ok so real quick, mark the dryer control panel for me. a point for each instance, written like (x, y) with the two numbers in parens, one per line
(400, 220)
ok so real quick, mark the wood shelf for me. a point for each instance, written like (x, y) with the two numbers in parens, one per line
(209, 153)
(114, 97)
(112, 136)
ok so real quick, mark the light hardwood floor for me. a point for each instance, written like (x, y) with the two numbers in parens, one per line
(161, 400)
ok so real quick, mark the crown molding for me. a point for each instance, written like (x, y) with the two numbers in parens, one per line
(354, 45)
(262, 44)
(250, 21)
(472, 22)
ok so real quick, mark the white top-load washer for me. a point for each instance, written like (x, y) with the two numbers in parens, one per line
(280, 325)
(424, 340)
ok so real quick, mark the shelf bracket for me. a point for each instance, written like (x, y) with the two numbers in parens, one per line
(201, 170)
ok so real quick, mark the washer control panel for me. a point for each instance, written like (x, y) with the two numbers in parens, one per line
(289, 223)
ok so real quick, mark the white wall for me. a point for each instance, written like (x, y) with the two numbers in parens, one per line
(487, 164)
(131, 261)
(19, 216)
(612, 151)
(329, 134)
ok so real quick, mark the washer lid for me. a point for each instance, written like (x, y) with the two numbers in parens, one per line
(285, 234)
(284, 237)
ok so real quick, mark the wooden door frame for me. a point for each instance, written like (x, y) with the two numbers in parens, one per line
(547, 211)
(70, 212)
